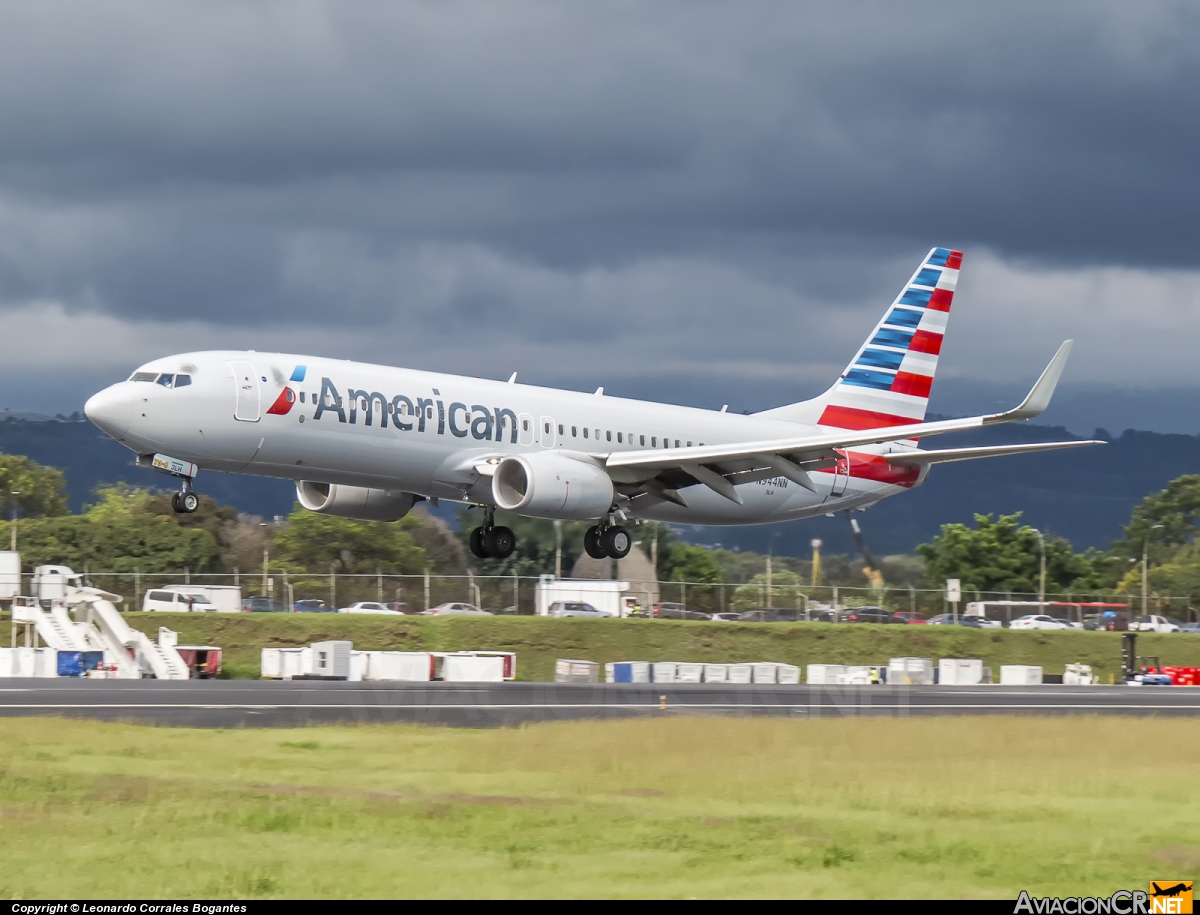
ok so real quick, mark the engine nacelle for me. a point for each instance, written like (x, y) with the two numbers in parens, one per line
(354, 501)
(549, 485)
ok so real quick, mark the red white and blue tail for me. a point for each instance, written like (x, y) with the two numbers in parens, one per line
(887, 383)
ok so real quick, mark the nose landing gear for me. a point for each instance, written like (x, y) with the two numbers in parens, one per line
(491, 542)
(607, 542)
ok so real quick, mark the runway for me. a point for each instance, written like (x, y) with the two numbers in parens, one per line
(262, 703)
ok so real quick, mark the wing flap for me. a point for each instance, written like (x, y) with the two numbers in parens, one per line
(947, 455)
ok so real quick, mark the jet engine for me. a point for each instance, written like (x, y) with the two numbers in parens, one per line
(354, 501)
(549, 485)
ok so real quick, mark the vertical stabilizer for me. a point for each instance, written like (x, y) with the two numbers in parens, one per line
(887, 382)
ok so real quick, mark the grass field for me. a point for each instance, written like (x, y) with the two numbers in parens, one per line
(538, 641)
(671, 808)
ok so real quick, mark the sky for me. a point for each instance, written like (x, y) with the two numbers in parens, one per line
(705, 203)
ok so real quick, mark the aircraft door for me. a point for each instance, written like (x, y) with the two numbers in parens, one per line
(546, 431)
(842, 476)
(245, 381)
(525, 423)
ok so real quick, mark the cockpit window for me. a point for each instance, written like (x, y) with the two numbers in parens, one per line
(165, 380)
(182, 381)
(144, 376)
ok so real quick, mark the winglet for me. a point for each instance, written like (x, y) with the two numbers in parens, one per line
(1039, 396)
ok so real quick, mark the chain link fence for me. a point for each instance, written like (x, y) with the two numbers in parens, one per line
(515, 594)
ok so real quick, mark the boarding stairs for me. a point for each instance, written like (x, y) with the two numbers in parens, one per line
(135, 653)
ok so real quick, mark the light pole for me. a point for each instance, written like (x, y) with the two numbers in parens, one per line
(1145, 563)
(1042, 575)
(15, 496)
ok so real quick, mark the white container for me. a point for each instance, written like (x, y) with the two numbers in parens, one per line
(854, 675)
(406, 666)
(270, 665)
(1020, 675)
(716, 673)
(664, 671)
(689, 673)
(910, 672)
(765, 672)
(740, 673)
(1078, 675)
(567, 670)
(360, 664)
(787, 674)
(825, 674)
(6, 662)
(627, 672)
(457, 668)
(295, 662)
(331, 659)
(960, 671)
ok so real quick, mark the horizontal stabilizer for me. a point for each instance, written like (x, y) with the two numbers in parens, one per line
(945, 456)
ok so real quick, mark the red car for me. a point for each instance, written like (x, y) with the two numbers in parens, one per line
(911, 617)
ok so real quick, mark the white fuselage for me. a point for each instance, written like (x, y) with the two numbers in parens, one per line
(424, 432)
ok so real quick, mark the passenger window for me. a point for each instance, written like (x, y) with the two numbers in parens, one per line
(429, 412)
(585, 432)
(524, 425)
(574, 431)
(165, 380)
(676, 440)
(689, 444)
(618, 438)
(653, 441)
(547, 428)
(642, 439)
(560, 428)
(182, 381)
(597, 435)
(608, 436)
(301, 397)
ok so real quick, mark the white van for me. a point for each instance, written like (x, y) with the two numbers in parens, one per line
(207, 598)
(176, 602)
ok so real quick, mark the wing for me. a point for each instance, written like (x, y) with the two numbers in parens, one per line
(662, 472)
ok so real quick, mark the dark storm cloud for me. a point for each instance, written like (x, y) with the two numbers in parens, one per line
(746, 183)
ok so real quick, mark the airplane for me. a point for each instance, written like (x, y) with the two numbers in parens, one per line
(370, 441)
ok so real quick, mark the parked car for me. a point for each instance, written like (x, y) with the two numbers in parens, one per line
(400, 607)
(985, 623)
(1189, 627)
(725, 617)
(176, 602)
(948, 619)
(311, 606)
(1152, 624)
(870, 615)
(1038, 621)
(262, 605)
(1071, 624)
(576, 608)
(454, 609)
(772, 616)
(911, 617)
(669, 611)
(369, 606)
(823, 616)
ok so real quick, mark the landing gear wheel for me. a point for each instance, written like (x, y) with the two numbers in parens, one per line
(616, 542)
(500, 542)
(175, 503)
(592, 545)
(478, 546)
(188, 502)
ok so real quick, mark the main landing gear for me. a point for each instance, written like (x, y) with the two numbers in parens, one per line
(607, 542)
(185, 502)
(491, 542)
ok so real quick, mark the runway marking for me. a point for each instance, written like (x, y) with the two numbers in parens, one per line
(650, 706)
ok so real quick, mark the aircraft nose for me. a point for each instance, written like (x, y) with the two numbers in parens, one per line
(111, 410)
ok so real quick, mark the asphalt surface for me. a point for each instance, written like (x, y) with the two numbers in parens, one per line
(265, 703)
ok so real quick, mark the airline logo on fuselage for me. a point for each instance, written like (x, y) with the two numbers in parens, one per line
(479, 422)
